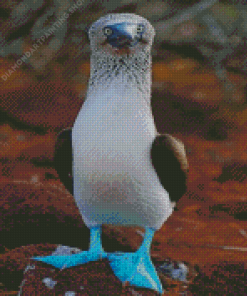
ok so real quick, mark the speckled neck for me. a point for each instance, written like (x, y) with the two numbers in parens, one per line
(132, 71)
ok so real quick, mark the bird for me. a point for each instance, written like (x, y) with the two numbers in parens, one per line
(119, 169)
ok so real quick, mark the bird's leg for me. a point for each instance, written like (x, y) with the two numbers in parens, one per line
(95, 245)
(94, 253)
(137, 268)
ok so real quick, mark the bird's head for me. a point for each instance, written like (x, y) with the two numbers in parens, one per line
(121, 48)
(121, 34)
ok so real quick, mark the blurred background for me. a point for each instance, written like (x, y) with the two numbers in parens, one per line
(198, 95)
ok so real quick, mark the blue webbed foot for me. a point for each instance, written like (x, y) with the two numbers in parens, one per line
(66, 261)
(94, 253)
(137, 268)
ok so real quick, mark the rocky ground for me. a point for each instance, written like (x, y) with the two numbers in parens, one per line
(208, 229)
(205, 240)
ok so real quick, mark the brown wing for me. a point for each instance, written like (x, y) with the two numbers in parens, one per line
(170, 163)
(63, 158)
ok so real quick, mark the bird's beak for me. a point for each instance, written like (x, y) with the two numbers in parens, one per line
(123, 35)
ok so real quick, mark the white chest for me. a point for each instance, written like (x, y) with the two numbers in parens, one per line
(113, 174)
(114, 123)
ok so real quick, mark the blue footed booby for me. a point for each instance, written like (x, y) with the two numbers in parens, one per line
(118, 168)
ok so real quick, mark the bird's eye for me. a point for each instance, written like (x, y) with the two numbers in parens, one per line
(140, 29)
(107, 31)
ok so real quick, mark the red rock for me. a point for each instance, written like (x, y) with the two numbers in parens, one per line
(11, 79)
(184, 78)
(94, 278)
(16, 143)
(48, 104)
(24, 171)
(225, 278)
(199, 240)
(14, 262)
(41, 148)
(35, 212)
